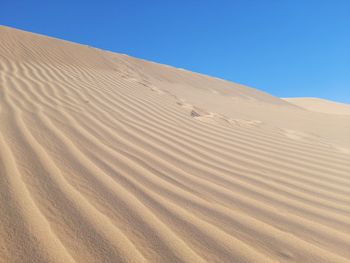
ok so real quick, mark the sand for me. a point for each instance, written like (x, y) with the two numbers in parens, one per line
(321, 105)
(108, 158)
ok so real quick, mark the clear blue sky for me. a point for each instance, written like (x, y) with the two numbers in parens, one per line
(290, 48)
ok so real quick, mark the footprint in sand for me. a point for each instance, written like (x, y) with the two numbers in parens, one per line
(307, 137)
(245, 123)
(195, 112)
(157, 90)
(342, 149)
(296, 135)
(211, 117)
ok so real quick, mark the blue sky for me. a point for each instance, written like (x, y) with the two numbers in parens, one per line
(289, 48)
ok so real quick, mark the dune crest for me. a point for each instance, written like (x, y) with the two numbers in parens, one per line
(108, 158)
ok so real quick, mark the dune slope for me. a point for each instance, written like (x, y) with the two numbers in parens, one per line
(321, 105)
(108, 158)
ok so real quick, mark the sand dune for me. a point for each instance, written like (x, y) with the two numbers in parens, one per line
(321, 105)
(108, 158)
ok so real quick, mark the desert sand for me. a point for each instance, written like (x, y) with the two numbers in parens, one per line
(109, 158)
(321, 105)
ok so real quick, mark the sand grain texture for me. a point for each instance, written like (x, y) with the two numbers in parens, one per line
(108, 158)
(321, 105)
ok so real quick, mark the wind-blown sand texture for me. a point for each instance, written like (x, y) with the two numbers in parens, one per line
(108, 158)
(321, 105)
